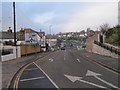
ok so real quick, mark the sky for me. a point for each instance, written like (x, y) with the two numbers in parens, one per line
(60, 16)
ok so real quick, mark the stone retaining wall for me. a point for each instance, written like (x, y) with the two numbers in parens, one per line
(99, 50)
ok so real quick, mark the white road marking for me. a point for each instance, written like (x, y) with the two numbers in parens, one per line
(51, 60)
(92, 84)
(31, 69)
(47, 77)
(107, 83)
(31, 79)
(78, 60)
(65, 55)
(75, 78)
(65, 50)
(91, 73)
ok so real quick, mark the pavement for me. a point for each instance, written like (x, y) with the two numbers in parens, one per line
(9, 68)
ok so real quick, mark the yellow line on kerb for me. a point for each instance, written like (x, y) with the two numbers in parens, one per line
(19, 75)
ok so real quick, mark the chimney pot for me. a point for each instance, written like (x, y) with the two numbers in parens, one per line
(10, 30)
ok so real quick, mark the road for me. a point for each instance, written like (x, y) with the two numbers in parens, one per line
(67, 69)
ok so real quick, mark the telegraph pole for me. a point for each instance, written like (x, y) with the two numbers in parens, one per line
(14, 23)
(14, 27)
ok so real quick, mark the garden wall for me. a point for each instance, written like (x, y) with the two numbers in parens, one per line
(15, 53)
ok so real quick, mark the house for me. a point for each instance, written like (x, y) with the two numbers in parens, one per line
(28, 36)
(6, 45)
(42, 40)
(7, 37)
(51, 40)
(72, 34)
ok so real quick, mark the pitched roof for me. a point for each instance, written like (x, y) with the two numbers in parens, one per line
(6, 35)
(28, 30)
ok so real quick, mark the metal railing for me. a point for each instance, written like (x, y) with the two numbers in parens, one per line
(110, 48)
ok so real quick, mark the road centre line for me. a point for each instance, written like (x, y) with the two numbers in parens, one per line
(31, 79)
(64, 55)
(47, 77)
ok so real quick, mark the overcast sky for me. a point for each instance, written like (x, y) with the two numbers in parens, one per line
(63, 16)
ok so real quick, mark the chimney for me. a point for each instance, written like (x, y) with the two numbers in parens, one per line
(22, 29)
(10, 30)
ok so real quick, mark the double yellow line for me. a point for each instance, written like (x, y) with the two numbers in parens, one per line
(16, 81)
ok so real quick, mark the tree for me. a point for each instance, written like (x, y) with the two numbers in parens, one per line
(113, 36)
(104, 27)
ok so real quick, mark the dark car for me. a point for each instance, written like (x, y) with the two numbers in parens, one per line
(71, 44)
(62, 46)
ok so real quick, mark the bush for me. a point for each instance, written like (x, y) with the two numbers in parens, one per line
(113, 36)
(8, 43)
(5, 52)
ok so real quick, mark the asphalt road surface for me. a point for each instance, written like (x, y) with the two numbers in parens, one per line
(67, 69)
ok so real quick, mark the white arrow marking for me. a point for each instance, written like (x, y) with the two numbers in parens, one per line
(78, 60)
(91, 73)
(75, 78)
(99, 86)
(51, 60)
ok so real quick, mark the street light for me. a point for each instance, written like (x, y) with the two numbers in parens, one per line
(50, 28)
(50, 34)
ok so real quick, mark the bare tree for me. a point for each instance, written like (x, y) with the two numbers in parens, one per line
(104, 27)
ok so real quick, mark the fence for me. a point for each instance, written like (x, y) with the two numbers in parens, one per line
(110, 48)
(29, 49)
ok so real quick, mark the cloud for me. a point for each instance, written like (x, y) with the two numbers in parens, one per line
(44, 17)
(93, 17)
